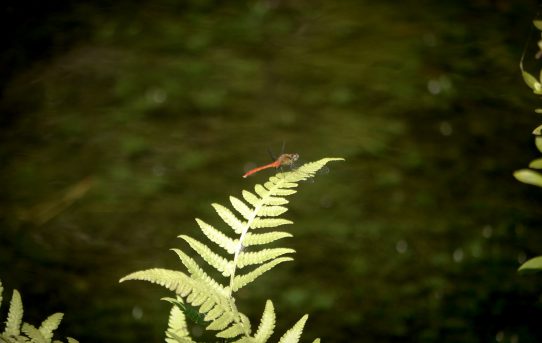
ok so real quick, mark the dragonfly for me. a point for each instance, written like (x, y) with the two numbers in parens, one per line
(283, 160)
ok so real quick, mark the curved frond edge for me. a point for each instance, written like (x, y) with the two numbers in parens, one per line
(170, 279)
(242, 280)
(15, 315)
(267, 323)
(50, 324)
(294, 334)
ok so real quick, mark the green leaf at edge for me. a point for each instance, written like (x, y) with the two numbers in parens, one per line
(533, 264)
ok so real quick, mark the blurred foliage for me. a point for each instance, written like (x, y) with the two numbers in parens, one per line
(531, 176)
(121, 122)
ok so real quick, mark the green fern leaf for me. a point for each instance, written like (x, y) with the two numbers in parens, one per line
(177, 328)
(259, 223)
(272, 211)
(264, 238)
(218, 237)
(206, 306)
(236, 329)
(213, 314)
(229, 218)
(275, 201)
(231, 332)
(197, 298)
(284, 192)
(180, 283)
(259, 257)
(189, 311)
(242, 280)
(293, 335)
(267, 323)
(241, 207)
(194, 290)
(273, 180)
(245, 339)
(173, 280)
(316, 340)
(15, 315)
(214, 260)
(49, 325)
(245, 322)
(221, 322)
(72, 340)
(33, 333)
(307, 170)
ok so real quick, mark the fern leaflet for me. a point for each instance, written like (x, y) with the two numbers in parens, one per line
(15, 315)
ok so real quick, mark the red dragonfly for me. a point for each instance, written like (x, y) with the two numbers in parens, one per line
(283, 160)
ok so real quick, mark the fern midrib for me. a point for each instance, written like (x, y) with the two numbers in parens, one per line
(239, 248)
(246, 228)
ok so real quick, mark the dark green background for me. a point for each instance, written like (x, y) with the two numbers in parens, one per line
(122, 121)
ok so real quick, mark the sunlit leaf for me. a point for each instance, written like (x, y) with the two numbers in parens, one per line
(536, 164)
(528, 176)
(532, 82)
(532, 264)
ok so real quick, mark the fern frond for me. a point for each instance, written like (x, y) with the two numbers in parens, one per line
(259, 257)
(214, 260)
(229, 218)
(264, 238)
(15, 315)
(242, 280)
(317, 340)
(267, 323)
(218, 237)
(49, 325)
(293, 335)
(33, 333)
(214, 301)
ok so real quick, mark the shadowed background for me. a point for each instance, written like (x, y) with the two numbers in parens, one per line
(122, 122)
